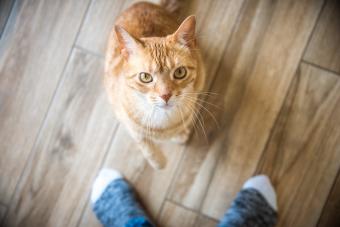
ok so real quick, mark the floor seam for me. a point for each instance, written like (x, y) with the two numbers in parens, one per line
(320, 67)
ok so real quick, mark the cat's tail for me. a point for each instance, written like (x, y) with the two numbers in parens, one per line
(172, 6)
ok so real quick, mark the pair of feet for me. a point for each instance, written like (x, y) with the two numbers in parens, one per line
(115, 204)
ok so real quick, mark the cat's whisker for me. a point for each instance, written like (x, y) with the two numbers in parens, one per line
(198, 115)
(194, 120)
(179, 110)
(203, 101)
(211, 114)
(205, 109)
(195, 98)
(209, 103)
(201, 93)
(201, 121)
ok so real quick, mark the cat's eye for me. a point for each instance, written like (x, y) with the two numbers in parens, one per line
(145, 77)
(180, 73)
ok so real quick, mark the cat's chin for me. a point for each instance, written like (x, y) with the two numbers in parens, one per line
(165, 107)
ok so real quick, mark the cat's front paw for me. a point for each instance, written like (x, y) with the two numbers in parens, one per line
(157, 163)
(152, 153)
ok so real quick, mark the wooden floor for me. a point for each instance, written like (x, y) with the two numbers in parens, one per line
(274, 64)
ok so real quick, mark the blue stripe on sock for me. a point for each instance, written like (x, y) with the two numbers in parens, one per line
(139, 222)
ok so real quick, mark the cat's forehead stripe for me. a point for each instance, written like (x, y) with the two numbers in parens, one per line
(160, 55)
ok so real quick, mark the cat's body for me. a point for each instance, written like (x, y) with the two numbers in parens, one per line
(153, 74)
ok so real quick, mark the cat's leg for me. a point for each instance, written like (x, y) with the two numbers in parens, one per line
(152, 153)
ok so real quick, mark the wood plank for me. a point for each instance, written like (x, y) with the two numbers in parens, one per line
(330, 215)
(303, 153)
(324, 48)
(69, 150)
(174, 216)
(33, 56)
(151, 185)
(5, 11)
(204, 221)
(99, 22)
(251, 83)
(88, 218)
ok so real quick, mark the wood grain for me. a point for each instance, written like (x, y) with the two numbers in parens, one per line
(69, 150)
(252, 83)
(324, 48)
(204, 221)
(303, 153)
(31, 63)
(330, 215)
(88, 218)
(5, 10)
(99, 22)
(175, 216)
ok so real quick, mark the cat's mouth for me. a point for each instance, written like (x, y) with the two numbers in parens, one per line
(165, 106)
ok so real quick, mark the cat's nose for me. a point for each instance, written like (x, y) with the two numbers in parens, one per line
(166, 97)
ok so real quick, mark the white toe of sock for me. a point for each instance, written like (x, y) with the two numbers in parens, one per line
(104, 178)
(262, 184)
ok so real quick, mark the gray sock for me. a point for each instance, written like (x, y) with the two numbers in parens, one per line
(254, 206)
(114, 202)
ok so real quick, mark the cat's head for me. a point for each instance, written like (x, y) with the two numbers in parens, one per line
(161, 71)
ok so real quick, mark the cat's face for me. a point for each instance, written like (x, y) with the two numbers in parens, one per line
(161, 72)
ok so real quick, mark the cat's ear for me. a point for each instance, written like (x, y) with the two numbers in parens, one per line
(127, 43)
(185, 34)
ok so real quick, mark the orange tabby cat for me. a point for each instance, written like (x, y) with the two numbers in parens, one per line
(153, 74)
